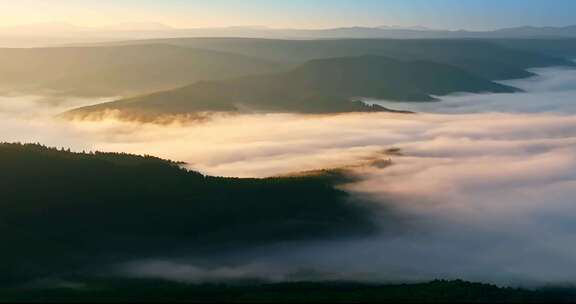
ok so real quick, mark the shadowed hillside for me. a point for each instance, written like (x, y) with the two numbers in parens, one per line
(319, 86)
(145, 66)
(63, 212)
(495, 61)
(142, 290)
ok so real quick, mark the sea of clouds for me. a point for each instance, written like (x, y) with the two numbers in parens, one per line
(486, 182)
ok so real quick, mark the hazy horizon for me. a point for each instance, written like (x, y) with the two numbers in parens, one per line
(439, 14)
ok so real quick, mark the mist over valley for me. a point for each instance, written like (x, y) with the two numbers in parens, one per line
(143, 161)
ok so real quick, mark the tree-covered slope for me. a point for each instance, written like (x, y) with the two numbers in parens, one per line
(147, 290)
(61, 212)
(319, 86)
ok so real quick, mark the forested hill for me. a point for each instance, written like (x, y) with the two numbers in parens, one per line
(137, 67)
(491, 59)
(63, 212)
(114, 290)
(319, 86)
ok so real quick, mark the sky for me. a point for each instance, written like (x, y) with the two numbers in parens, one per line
(441, 14)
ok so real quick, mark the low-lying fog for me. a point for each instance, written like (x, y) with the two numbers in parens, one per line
(487, 182)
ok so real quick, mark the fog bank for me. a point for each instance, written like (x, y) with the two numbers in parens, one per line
(486, 182)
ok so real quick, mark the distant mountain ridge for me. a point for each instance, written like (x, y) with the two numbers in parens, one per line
(129, 68)
(149, 30)
(535, 32)
(486, 58)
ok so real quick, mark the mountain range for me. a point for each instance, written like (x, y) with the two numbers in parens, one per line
(192, 75)
(495, 59)
(147, 30)
(318, 86)
(138, 67)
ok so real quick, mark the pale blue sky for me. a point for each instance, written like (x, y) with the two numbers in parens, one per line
(452, 14)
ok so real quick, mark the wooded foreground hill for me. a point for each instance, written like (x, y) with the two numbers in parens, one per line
(65, 212)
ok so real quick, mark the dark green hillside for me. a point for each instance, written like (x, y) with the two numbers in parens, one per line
(63, 211)
(142, 290)
(319, 86)
(484, 58)
(122, 70)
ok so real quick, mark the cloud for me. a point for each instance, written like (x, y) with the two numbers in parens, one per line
(486, 182)
(551, 91)
(174, 271)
